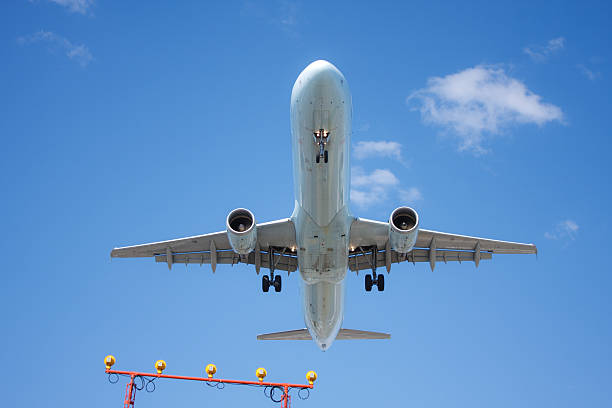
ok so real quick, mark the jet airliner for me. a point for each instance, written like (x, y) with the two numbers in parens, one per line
(322, 239)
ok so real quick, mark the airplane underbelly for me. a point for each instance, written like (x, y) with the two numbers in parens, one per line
(321, 113)
(323, 310)
(320, 119)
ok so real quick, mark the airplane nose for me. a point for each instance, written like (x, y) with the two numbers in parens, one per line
(322, 74)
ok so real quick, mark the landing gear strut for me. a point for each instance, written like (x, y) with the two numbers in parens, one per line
(374, 279)
(267, 281)
(320, 139)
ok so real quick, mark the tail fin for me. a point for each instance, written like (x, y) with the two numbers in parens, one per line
(343, 334)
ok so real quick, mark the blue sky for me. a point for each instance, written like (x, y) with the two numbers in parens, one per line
(125, 123)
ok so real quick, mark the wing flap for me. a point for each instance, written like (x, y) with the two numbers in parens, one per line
(363, 260)
(282, 261)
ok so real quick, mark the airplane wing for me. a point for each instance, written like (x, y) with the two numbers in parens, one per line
(275, 247)
(367, 236)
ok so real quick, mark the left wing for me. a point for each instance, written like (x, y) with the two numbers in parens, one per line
(369, 241)
(275, 248)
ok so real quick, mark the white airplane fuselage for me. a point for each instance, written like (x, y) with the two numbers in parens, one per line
(321, 105)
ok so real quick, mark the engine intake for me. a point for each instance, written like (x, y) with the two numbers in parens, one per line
(403, 229)
(241, 230)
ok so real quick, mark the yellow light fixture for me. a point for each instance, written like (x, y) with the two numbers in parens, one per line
(109, 361)
(311, 376)
(261, 373)
(211, 369)
(160, 365)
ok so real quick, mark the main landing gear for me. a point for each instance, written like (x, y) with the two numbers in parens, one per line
(374, 279)
(378, 280)
(320, 138)
(267, 281)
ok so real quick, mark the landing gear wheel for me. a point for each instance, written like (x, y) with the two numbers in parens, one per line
(325, 157)
(277, 283)
(368, 283)
(380, 282)
(265, 283)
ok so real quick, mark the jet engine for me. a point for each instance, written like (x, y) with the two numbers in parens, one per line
(241, 230)
(403, 229)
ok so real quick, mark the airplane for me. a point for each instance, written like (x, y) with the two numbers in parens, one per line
(322, 239)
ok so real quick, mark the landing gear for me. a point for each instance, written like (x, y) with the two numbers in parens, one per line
(368, 283)
(380, 283)
(378, 280)
(320, 139)
(325, 157)
(374, 279)
(271, 280)
(276, 282)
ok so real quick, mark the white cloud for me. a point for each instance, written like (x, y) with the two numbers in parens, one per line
(75, 6)
(368, 189)
(540, 53)
(79, 53)
(411, 195)
(479, 102)
(363, 150)
(563, 230)
(283, 14)
(381, 177)
(590, 74)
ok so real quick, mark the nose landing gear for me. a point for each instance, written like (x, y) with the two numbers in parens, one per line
(320, 139)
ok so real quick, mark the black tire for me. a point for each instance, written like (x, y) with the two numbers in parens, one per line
(368, 283)
(318, 158)
(277, 283)
(325, 156)
(380, 282)
(265, 283)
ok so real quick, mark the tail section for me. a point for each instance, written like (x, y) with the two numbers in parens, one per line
(343, 334)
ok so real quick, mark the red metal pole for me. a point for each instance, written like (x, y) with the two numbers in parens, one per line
(130, 395)
(286, 398)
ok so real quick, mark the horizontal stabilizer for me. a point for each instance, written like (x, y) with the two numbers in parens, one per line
(344, 334)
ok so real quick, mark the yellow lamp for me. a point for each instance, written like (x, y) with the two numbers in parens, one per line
(211, 369)
(311, 376)
(160, 365)
(109, 361)
(261, 373)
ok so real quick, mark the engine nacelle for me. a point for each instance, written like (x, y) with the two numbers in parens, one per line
(403, 229)
(241, 230)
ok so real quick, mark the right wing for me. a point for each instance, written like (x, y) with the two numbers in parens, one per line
(431, 246)
(275, 247)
